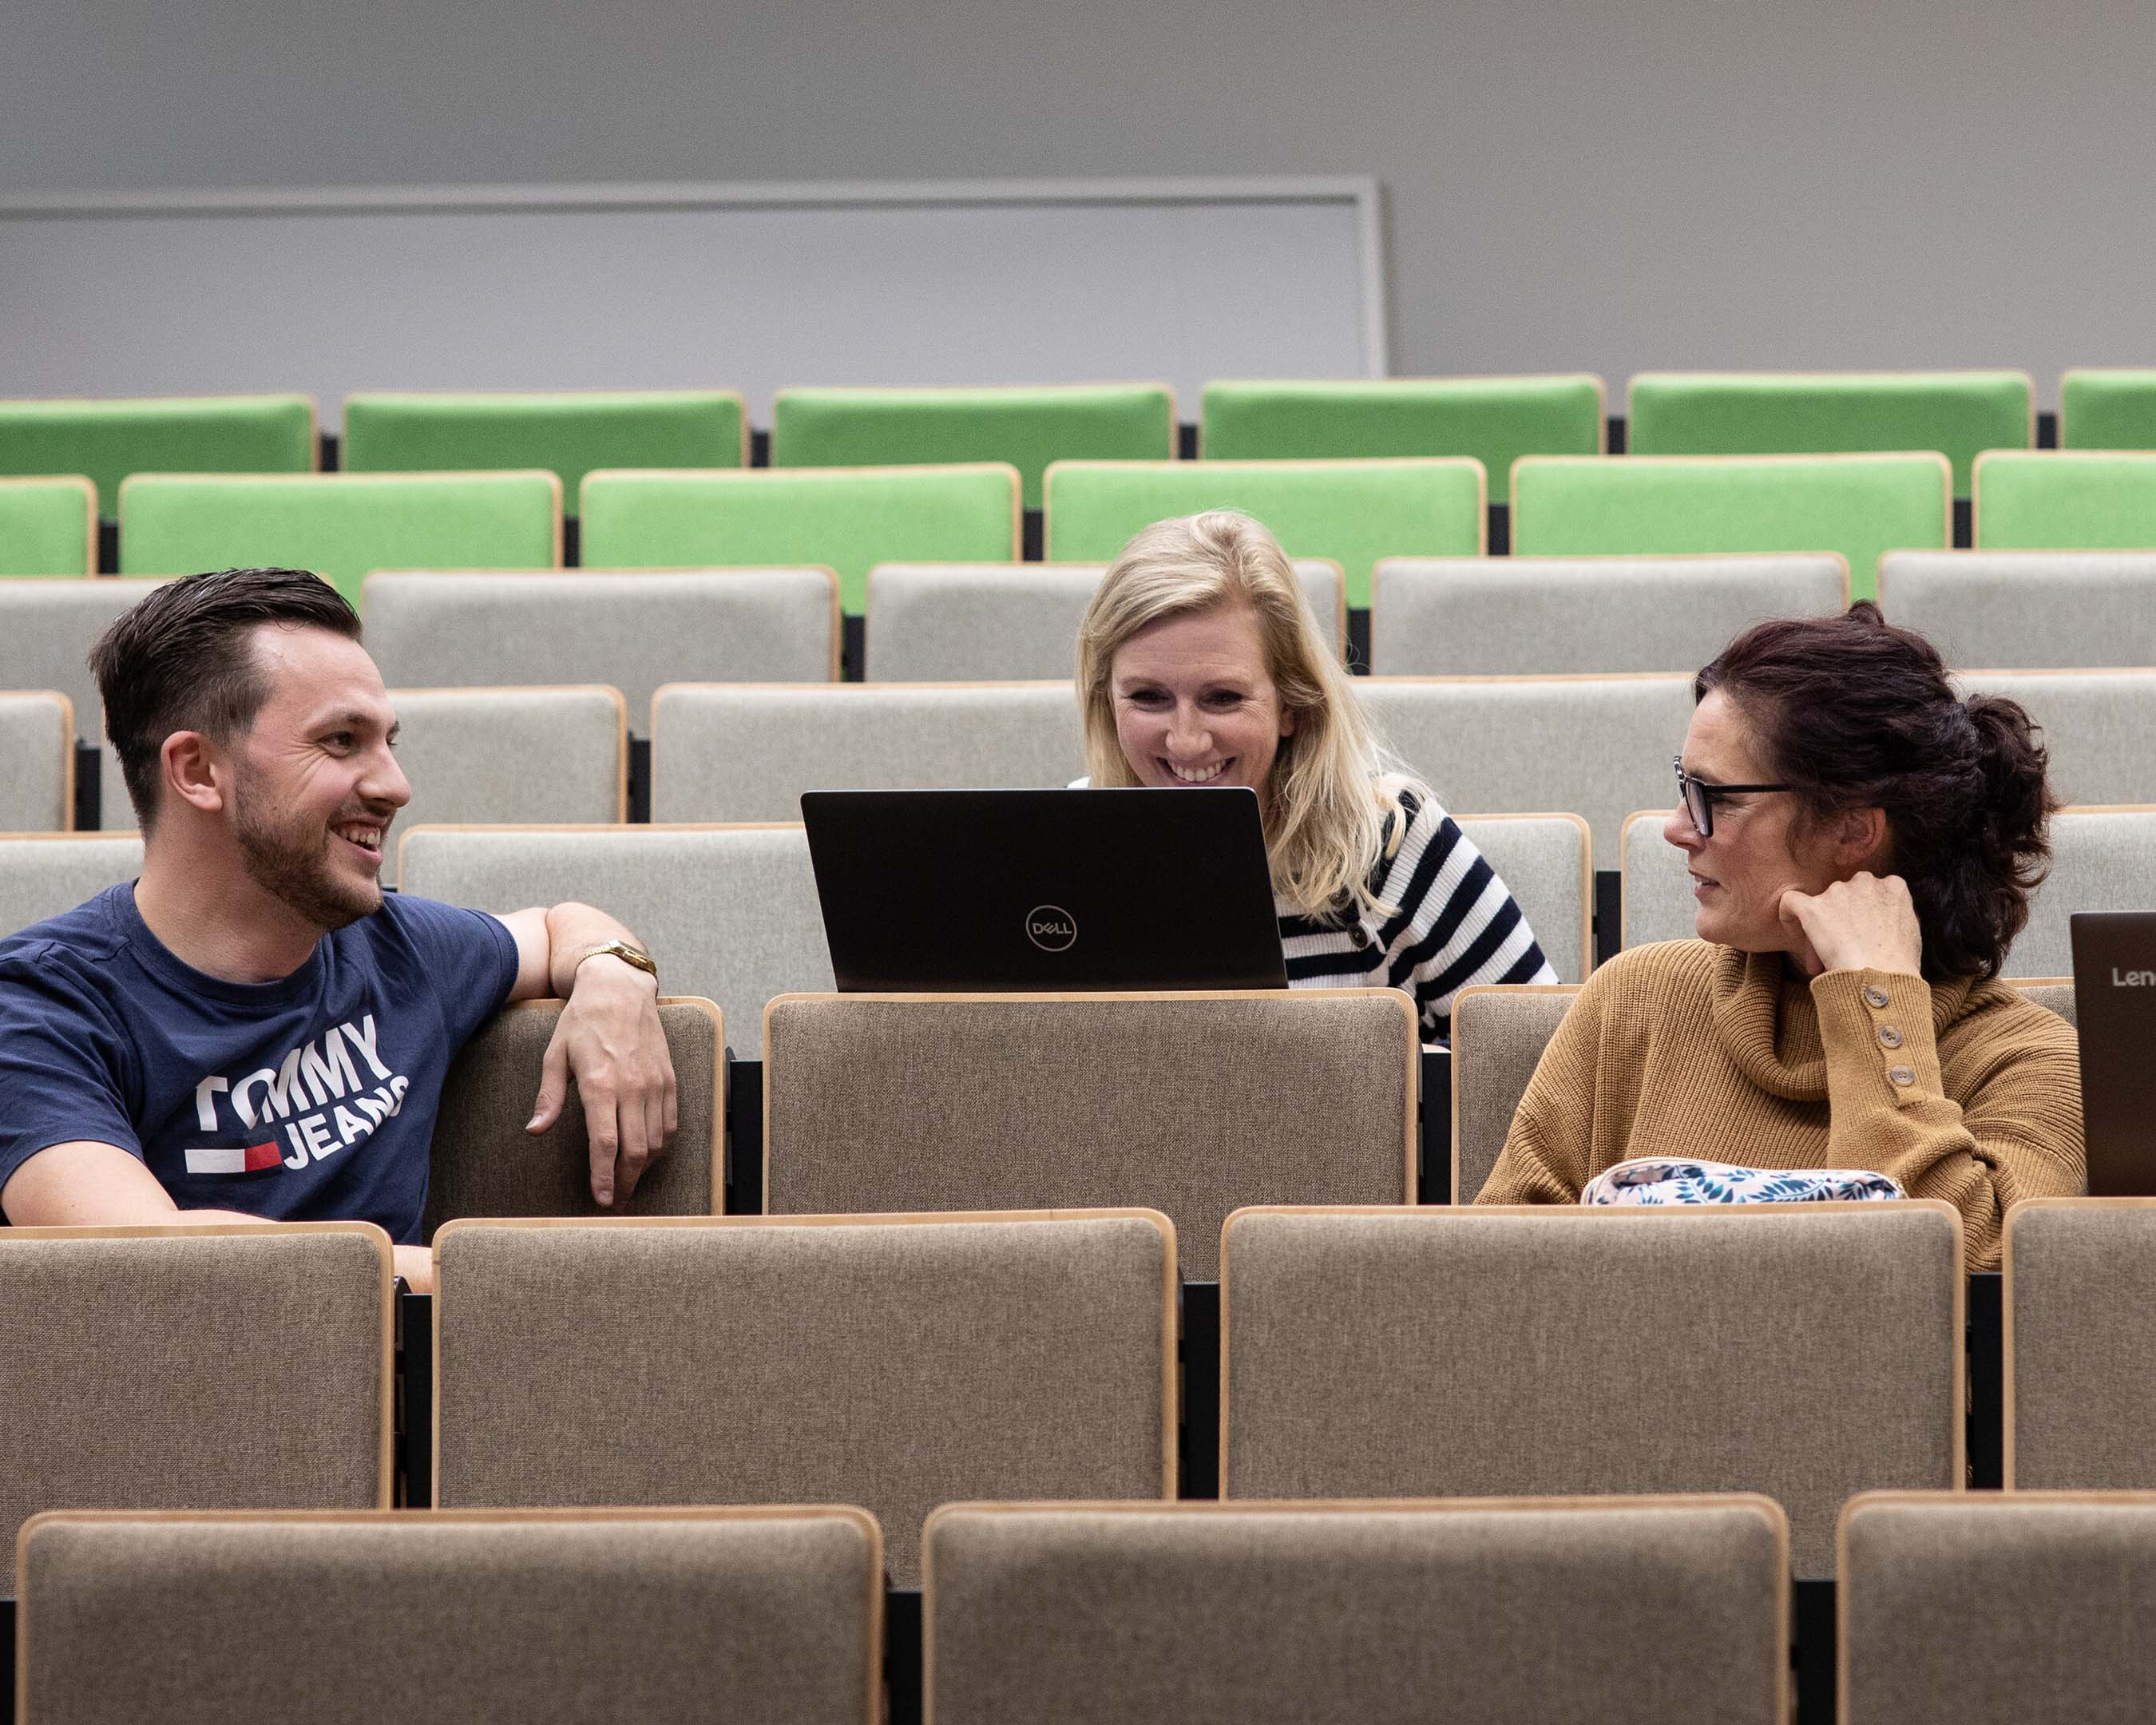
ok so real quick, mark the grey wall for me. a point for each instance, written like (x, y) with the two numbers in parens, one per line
(1572, 183)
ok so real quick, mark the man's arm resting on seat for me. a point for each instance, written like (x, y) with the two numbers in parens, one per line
(609, 1042)
(86, 1184)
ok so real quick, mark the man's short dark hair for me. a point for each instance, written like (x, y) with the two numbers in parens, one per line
(183, 659)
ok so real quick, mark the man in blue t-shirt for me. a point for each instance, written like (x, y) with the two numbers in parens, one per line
(252, 1029)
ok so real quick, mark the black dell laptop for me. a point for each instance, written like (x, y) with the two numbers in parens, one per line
(964, 892)
(2115, 1013)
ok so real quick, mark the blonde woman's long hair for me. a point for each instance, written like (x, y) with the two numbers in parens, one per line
(1332, 781)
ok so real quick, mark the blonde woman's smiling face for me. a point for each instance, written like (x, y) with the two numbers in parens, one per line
(1195, 704)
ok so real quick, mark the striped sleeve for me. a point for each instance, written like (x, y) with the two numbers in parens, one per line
(1454, 923)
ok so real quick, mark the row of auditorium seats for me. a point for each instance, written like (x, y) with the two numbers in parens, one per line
(1666, 1610)
(1496, 420)
(902, 1362)
(1354, 512)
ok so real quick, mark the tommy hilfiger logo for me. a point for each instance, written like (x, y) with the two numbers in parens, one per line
(322, 1076)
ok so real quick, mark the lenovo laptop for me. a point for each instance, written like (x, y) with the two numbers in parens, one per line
(1043, 891)
(2115, 1009)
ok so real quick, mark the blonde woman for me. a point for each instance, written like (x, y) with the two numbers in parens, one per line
(1199, 663)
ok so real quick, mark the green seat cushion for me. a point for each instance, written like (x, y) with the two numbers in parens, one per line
(1496, 420)
(1959, 414)
(48, 526)
(1353, 512)
(845, 519)
(109, 439)
(568, 434)
(2065, 500)
(2107, 410)
(341, 525)
(1859, 505)
(1027, 428)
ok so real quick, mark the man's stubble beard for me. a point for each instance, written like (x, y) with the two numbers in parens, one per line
(294, 867)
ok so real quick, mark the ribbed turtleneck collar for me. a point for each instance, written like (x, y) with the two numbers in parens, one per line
(1766, 1022)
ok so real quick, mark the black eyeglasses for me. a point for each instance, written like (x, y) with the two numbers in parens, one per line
(1700, 797)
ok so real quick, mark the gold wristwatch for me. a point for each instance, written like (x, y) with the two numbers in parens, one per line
(635, 956)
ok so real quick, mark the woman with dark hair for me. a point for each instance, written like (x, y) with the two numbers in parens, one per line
(1862, 843)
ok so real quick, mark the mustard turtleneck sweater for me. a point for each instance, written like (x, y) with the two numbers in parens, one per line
(1961, 1091)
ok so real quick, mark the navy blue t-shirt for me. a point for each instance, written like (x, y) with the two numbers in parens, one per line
(308, 1099)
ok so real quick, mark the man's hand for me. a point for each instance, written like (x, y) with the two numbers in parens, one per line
(1866, 922)
(609, 1044)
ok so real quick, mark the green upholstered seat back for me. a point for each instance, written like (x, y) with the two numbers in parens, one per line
(1353, 512)
(2107, 410)
(1860, 505)
(845, 518)
(108, 440)
(48, 526)
(2065, 500)
(568, 434)
(1027, 428)
(341, 525)
(1959, 414)
(1496, 420)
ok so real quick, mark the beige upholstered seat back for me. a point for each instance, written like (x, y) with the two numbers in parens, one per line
(958, 622)
(730, 913)
(1498, 1035)
(485, 1164)
(1190, 1104)
(1963, 1606)
(633, 629)
(1656, 903)
(1599, 747)
(2069, 609)
(759, 1617)
(47, 629)
(2097, 726)
(2080, 1350)
(1358, 1614)
(41, 875)
(1805, 1351)
(1547, 863)
(897, 1362)
(220, 1367)
(737, 751)
(1591, 616)
(37, 761)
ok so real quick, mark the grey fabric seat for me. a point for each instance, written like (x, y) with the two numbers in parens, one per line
(1594, 616)
(1547, 863)
(37, 761)
(634, 630)
(44, 873)
(1598, 746)
(1358, 1614)
(743, 752)
(932, 622)
(881, 1103)
(482, 1162)
(1983, 1609)
(214, 1366)
(1499, 1032)
(1808, 1352)
(730, 913)
(2097, 726)
(2081, 1351)
(47, 629)
(760, 1617)
(897, 1362)
(518, 755)
(2101, 859)
(2064, 609)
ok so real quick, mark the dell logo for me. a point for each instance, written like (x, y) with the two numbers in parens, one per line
(2130, 978)
(1050, 927)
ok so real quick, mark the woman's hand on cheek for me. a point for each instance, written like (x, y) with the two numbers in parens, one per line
(1866, 922)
